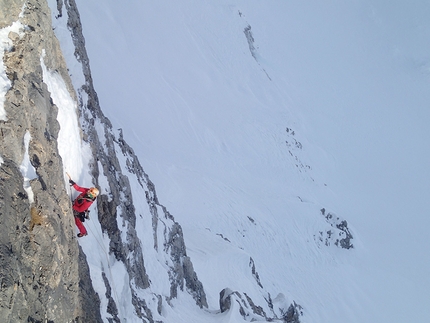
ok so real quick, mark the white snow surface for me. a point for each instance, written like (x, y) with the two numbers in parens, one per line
(27, 169)
(72, 150)
(207, 114)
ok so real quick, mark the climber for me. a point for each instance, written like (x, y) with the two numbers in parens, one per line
(81, 205)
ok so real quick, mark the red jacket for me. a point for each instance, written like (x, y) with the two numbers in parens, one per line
(82, 202)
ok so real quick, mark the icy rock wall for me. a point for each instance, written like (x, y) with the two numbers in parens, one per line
(39, 256)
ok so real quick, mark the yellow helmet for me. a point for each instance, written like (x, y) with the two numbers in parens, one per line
(94, 191)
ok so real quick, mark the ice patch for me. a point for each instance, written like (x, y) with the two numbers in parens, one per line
(27, 169)
(70, 145)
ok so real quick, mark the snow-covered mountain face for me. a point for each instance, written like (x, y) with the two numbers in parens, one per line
(279, 136)
(251, 117)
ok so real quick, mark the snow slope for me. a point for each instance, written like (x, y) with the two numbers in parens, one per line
(251, 117)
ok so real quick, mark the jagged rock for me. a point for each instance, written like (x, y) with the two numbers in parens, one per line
(111, 308)
(339, 233)
(255, 308)
(193, 284)
(225, 300)
(293, 313)
(253, 312)
(288, 312)
(250, 38)
(254, 272)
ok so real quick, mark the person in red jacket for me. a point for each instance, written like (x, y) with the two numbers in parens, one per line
(81, 205)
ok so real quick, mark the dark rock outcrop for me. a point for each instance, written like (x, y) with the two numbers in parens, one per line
(339, 234)
(278, 309)
(252, 312)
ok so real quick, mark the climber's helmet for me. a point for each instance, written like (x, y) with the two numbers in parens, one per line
(93, 192)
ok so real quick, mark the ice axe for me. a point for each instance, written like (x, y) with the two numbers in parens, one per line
(70, 179)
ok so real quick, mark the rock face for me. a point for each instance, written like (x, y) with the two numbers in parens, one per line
(281, 312)
(338, 234)
(38, 251)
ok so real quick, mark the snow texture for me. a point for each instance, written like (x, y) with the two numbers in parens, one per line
(73, 151)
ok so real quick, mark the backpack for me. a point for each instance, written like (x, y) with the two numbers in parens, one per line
(82, 216)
